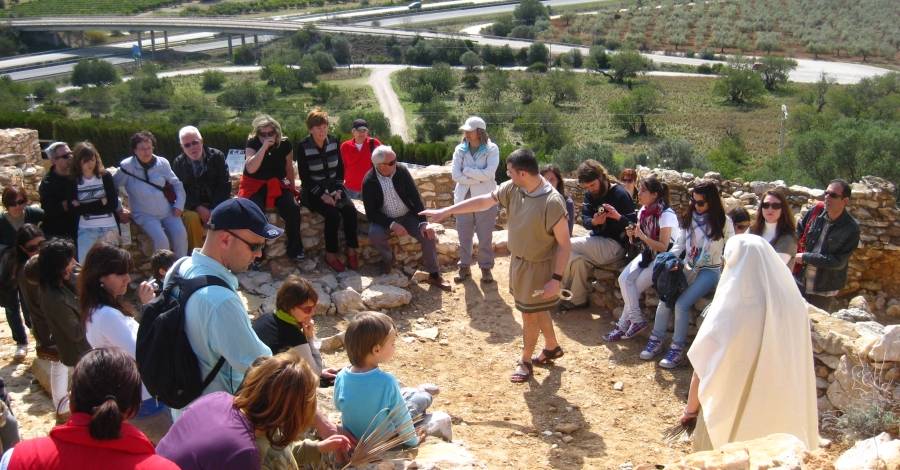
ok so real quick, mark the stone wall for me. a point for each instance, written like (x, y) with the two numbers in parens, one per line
(20, 160)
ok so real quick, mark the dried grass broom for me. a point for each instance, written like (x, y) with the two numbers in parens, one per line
(381, 439)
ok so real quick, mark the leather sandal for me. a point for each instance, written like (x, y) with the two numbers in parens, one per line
(549, 356)
(524, 371)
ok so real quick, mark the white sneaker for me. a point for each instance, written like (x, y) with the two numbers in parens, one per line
(21, 352)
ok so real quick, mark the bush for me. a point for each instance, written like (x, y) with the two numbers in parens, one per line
(730, 157)
(146, 90)
(676, 154)
(378, 124)
(44, 89)
(245, 55)
(537, 67)
(190, 106)
(538, 52)
(324, 61)
(542, 127)
(470, 80)
(212, 80)
(470, 60)
(626, 65)
(436, 122)
(632, 112)
(95, 38)
(739, 84)
(243, 96)
(323, 93)
(570, 156)
(94, 72)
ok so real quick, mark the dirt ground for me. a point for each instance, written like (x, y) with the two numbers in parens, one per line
(503, 424)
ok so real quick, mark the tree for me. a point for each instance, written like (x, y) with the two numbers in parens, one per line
(146, 90)
(96, 100)
(538, 52)
(244, 55)
(323, 93)
(767, 41)
(470, 61)
(324, 61)
(563, 87)
(632, 111)
(529, 11)
(190, 105)
(309, 71)
(675, 154)
(440, 77)
(597, 59)
(378, 124)
(529, 89)
(571, 155)
(495, 83)
(502, 27)
(626, 65)
(340, 49)
(44, 90)
(94, 72)
(738, 83)
(730, 157)
(212, 80)
(774, 71)
(243, 96)
(285, 78)
(470, 80)
(542, 127)
(436, 122)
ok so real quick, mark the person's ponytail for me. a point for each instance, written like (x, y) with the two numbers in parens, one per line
(106, 420)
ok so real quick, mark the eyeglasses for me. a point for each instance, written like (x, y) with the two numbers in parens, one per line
(698, 203)
(833, 195)
(190, 144)
(254, 247)
(65, 156)
(390, 163)
(266, 134)
(771, 205)
(307, 308)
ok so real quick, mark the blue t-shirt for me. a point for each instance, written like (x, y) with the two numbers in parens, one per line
(362, 396)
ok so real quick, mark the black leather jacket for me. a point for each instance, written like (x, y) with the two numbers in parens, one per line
(832, 260)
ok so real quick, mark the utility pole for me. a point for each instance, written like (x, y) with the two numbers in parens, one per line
(784, 116)
(31, 99)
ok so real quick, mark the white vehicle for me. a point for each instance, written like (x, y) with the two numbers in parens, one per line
(415, 6)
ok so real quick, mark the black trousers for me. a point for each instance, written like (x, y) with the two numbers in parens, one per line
(289, 210)
(333, 217)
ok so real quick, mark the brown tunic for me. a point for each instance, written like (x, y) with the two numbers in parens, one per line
(532, 244)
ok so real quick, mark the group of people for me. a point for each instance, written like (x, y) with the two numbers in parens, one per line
(263, 403)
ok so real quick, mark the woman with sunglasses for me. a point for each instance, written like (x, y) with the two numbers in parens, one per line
(291, 325)
(107, 318)
(628, 180)
(93, 199)
(268, 178)
(775, 222)
(17, 213)
(553, 175)
(704, 230)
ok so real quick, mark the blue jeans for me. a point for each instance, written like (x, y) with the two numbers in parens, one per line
(705, 282)
(353, 194)
(167, 233)
(88, 236)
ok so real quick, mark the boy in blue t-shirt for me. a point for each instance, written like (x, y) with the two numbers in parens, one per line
(363, 391)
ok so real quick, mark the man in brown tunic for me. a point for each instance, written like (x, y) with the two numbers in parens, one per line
(539, 249)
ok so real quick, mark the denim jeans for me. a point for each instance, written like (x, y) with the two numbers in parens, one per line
(88, 236)
(417, 401)
(167, 233)
(12, 306)
(705, 282)
(633, 281)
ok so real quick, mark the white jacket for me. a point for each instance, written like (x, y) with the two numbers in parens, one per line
(475, 174)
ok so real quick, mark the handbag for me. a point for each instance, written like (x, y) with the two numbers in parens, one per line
(801, 243)
(167, 189)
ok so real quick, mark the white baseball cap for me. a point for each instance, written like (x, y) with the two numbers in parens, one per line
(474, 122)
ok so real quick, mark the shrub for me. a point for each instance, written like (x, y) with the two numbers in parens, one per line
(323, 93)
(324, 61)
(632, 112)
(676, 154)
(244, 55)
(571, 155)
(739, 84)
(538, 52)
(212, 80)
(243, 96)
(94, 72)
(470, 81)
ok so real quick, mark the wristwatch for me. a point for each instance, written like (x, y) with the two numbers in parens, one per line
(556, 277)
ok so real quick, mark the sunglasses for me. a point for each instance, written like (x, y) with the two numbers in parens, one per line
(20, 202)
(771, 205)
(307, 308)
(698, 203)
(254, 247)
(267, 134)
(390, 163)
(191, 144)
(833, 195)
(65, 156)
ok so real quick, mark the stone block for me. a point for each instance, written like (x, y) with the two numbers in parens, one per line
(782, 451)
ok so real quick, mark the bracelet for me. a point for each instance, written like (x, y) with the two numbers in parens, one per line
(557, 277)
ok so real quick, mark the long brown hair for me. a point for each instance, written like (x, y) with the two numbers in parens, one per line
(85, 151)
(106, 385)
(102, 259)
(785, 221)
(278, 396)
(715, 211)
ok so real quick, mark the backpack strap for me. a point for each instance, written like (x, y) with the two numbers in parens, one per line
(188, 288)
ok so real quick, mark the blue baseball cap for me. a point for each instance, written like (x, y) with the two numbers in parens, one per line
(240, 213)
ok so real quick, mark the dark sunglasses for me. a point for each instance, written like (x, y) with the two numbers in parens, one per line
(771, 205)
(391, 163)
(833, 195)
(254, 247)
(698, 203)
(191, 144)
(65, 156)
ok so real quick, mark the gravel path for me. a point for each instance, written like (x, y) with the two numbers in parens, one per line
(380, 81)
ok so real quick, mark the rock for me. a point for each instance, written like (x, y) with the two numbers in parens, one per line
(547, 433)
(860, 302)
(439, 424)
(324, 304)
(618, 386)
(328, 281)
(380, 297)
(567, 428)
(393, 279)
(893, 311)
(256, 282)
(332, 344)
(854, 314)
(887, 348)
(829, 360)
(876, 453)
(353, 280)
(419, 276)
(829, 334)
(426, 333)
(567, 439)
(782, 451)
(347, 300)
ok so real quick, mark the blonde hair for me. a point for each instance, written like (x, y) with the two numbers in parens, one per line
(278, 396)
(264, 120)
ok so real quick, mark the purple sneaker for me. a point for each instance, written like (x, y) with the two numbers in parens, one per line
(634, 329)
(653, 348)
(615, 335)
(674, 358)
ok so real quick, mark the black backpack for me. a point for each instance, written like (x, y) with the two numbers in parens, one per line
(167, 363)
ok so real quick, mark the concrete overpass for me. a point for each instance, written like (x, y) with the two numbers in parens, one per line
(153, 23)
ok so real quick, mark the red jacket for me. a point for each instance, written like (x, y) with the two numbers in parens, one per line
(357, 162)
(70, 446)
(249, 186)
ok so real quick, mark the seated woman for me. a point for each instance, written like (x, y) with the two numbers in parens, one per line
(106, 392)
(292, 325)
(628, 179)
(93, 200)
(322, 173)
(553, 176)
(108, 319)
(17, 214)
(752, 357)
(741, 220)
(261, 427)
(268, 178)
(155, 195)
(775, 222)
(656, 230)
(704, 230)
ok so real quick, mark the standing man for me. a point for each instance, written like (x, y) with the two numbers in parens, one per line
(215, 320)
(357, 156)
(827, 239)
(59, 220)
(607, 209)
(539, 245)
(206, 181)
(393, 205)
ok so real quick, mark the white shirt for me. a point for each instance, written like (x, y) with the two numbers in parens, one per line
(90, 189)
(769, 231)
(669, 219)
(393, 206)
(110, 328)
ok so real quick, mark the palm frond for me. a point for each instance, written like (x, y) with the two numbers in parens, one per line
(675, 433)
(384, 437)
